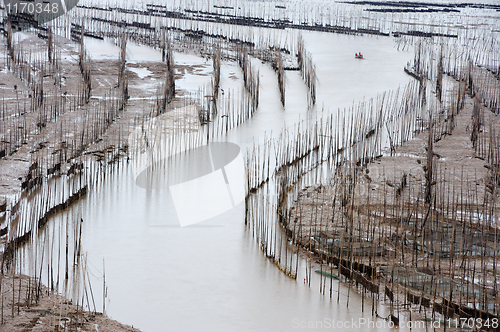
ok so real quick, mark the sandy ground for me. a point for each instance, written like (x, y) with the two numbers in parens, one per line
(45, 144)
(454, 157)
(457, 166)
(48, 145)
(49, 312)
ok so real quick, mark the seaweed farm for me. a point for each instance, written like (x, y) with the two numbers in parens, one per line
(237, 165)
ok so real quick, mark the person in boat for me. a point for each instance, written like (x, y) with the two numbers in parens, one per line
(356, 55)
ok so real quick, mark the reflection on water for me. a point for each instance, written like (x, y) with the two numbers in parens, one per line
(209, 276)
(212, 276)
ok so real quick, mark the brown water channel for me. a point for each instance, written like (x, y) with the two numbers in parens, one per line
(212, 276)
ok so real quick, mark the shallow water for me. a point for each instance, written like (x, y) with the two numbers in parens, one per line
(212, 276)
(209, 276)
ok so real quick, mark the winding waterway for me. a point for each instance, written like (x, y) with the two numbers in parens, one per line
(212, 276)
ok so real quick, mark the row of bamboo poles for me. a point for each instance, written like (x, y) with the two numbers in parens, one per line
(59, 176)
(99, 116)
(25, 222)
(307, 71)
(291, 160)
(24, 231)
(392, 118)
(280, 72)
(306, 153)
(250, 78)
(426, 255)
(328, 17)
(168, 87)
(476, 77)
(42, 253)
(22, 121)
(35, 254)
(100, 22)
(448, 224)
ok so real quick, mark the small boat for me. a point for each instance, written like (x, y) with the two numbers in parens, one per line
(358, 55)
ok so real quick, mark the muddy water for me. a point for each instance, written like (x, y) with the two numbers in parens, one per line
(212, 276)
